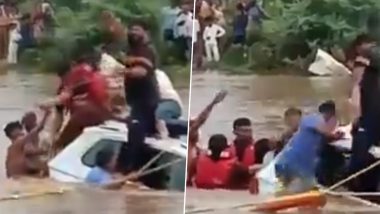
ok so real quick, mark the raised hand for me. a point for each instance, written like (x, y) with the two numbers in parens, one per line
(220, 97)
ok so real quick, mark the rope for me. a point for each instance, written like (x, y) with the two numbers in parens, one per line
(353, 176)
(357, 194)
(150, 162)
(163, 166)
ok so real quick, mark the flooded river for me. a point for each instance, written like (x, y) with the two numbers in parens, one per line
(263, 99)
(20, 92)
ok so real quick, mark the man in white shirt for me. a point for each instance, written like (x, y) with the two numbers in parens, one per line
(14, 39)
(197, 28)
(170, 107)
(184, 23)
(210, 35)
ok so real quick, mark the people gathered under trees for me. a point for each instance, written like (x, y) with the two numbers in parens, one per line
(247, 14)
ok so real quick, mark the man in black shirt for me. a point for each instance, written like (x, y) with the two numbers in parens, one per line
(141, 87)
(367, 130)
(142, 95)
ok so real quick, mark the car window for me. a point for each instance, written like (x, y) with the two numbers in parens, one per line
(88, 158)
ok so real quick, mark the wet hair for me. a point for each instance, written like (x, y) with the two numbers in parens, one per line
(327, 107)
(292, 111)
(85, 52)
(359, 40)
(261, 148)
(243, 121)
(216, 144)
(62, 65)
(140, 23)
(10, 127)
(103, 157)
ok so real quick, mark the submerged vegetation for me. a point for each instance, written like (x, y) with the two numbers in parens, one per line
(295, 29)
(80, 19)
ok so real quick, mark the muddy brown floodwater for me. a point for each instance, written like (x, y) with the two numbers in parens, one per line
(263, 99)
(19, 92)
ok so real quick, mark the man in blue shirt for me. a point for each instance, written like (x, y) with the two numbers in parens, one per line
(101, 174)
(240, 25)
(297, 162)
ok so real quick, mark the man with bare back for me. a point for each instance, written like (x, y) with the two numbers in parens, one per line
(23, 157)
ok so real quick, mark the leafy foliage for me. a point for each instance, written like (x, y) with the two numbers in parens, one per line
(76, 19)
(297, 27)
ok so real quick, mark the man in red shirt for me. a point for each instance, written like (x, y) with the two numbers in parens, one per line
(214, 167)
(84, 94)
(193, 138)
(243, 149)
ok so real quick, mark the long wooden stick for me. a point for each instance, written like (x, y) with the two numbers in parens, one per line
(30, 195)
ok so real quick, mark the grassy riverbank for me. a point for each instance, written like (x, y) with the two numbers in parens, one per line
(81, 20)
(294, 30)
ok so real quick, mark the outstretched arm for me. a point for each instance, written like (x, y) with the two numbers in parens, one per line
(34, 132)
(203, 116)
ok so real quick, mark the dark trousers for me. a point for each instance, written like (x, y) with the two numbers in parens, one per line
(360, 159)
(145, 115)
(331, 165)
(135, 154)
(183, 47)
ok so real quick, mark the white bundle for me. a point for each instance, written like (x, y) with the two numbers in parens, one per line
(325, 65)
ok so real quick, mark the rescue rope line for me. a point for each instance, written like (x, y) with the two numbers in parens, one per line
(150, 162)
(163, 166)
(334, 193)
(353, 176)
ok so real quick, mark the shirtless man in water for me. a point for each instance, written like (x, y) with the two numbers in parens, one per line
(23, 157)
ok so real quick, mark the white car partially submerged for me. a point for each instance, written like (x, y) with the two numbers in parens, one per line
(74, 162)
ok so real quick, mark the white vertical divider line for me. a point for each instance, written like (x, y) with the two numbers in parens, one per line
(189, 105)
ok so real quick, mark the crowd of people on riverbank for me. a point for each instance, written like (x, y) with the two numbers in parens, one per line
(97, 86)
(20, 31)
(210, 27)
(304, 155)
(177, 27)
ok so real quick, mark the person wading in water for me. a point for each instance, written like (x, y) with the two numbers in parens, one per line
(193, 139)
(23, 157)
